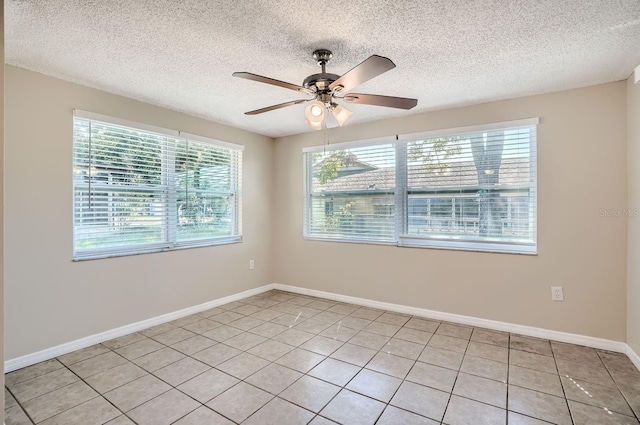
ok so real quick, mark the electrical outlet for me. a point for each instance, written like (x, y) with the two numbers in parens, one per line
(252, 265)
(556, 293)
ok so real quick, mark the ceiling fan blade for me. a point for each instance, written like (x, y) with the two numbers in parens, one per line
(278, 106)
(378, 100)
(267, 80)
(365, 71)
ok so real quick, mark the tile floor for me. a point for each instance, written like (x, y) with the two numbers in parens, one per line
(280, 358)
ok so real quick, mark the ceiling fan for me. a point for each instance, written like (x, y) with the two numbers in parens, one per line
(325, 88)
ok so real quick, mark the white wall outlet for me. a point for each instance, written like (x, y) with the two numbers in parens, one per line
(252, 265)
(556, 293)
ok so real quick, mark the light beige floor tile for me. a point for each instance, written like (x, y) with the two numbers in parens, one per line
(211, 312)
(164, 409)
(30, 372)
(354, 409)
(194, 344)
(596, 395)
(485, 336)
(183, 321)
(322, 345)
(487, 351)
(424, 325)
(252, 399)
(462, 411)
(157, 330)
(119, 342)
(55, 402)
(532, 361)
(208, 385)
(402, 348)
(288, 320)
(247, 309)
(590, 415)
(369, 340)
(203, 416)
(344, 309)
(329, 317)
(293, 337)
(353, 354)
(335, 372)
(245, 341)
(440, 357)
(139, 349)
(339, 332)
(270, 350)
(393, 318)
(319, 420)
(274, 378)
(267, 314)
(300, 360)
(355, 323)
(448, 329)
(375, 385)
(158, 359)
(280, 412)
(226, 317)
(585, 372)
(617, 362)
(576, 353)
(321, 304)
(246, 323)
(394, 416)
(390, 365)
(485, 368)
(136, 392)
(173, 336)
(539, 405)
(531, 345)
(268, 329)
(115, 377)
(43, 384)
(243, 365)
(481, 389)
(421, 400)
(202, 326)
(120, 420)
(384, 329)
(535, 380)
(310, 393)
(16, 416)
(518, 419)
(9, 400)
(84, 354)
(312, 326)
(216, 354)
(449, 343)
(96, 411)
(181, 371)
(432, 376)
(367, 313)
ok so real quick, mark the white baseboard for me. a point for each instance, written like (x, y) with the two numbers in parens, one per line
(588, 341)
(49, 353)
(59, 350)
(635, 358)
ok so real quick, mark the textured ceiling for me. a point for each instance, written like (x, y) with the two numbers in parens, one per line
(181, 54)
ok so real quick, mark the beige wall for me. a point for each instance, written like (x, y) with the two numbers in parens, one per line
(49, 296)
(633, 253)
(581, 169)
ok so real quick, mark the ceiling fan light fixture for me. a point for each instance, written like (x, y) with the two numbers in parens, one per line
(341, 114)
(313, 125)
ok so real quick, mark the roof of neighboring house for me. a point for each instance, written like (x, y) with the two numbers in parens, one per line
(512, 172)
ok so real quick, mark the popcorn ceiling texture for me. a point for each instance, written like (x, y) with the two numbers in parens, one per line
(181, 54)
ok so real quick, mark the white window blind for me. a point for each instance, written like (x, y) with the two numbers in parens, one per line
(137, 190)
(467, 189)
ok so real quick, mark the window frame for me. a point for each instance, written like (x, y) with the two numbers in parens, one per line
(169, 189)
(401, 193)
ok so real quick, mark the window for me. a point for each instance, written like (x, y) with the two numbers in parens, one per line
(141, 189)
(471, 188)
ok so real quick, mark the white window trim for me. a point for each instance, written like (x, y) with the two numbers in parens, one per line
(412, 241)
(163, 246)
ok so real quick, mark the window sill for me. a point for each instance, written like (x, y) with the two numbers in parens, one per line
(467, 245)
(98, 255)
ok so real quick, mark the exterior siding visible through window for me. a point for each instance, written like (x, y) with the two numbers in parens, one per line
(472, 189)
(137, 190)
